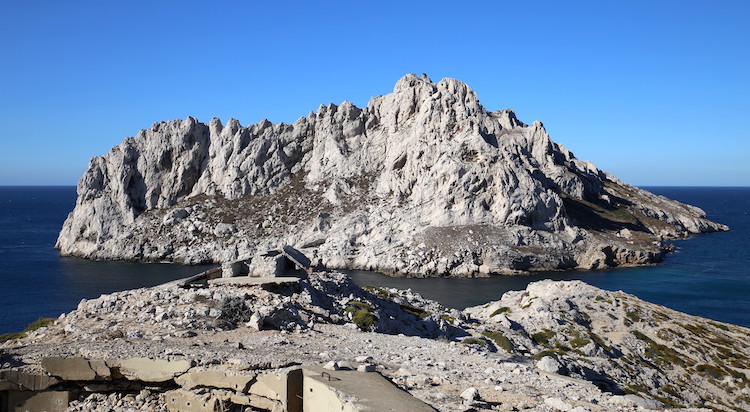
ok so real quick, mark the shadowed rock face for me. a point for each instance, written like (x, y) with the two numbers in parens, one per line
(422, 181)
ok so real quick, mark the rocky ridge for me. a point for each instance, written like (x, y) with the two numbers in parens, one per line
(423, 181)
(556, 346)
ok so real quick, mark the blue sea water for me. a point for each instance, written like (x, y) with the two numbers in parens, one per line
(708, 276)
(35, 281)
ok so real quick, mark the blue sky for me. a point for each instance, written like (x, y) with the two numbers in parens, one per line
(655, 92)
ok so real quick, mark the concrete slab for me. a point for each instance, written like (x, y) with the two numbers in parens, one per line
(283, 386)
(296, 256)
(250, 281)
(76, 368)
(200, 277)
(152, 370)
(237, 381)
(48, 401)
(15, 380)
(180, 400)
(346, 390)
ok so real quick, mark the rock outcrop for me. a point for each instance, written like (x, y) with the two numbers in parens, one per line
(556, 346)
(423, 181)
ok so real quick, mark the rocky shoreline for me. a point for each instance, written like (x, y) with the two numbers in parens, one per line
(423, 181)
(556, 346)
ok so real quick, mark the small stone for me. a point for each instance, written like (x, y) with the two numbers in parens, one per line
(255, 322)
(558, 404)
(549, 364)
(345, 365)
(331, 366)
(366, 367)
(470, 394)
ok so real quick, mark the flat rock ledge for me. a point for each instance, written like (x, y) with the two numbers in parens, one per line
(556, 346)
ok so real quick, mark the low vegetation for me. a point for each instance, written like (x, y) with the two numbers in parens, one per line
(474, 341)
(543, 337)
(501, 310)
(448, 318)
(500, 340)
(413, 310)
(662, 355)
(555, 353)
(234, 310)
(362, 315)
(39, 323)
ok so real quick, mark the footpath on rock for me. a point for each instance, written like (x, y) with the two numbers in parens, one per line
(281, 345)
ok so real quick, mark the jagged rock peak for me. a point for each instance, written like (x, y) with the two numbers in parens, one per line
(422, 181)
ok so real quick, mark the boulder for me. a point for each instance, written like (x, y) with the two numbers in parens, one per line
(549, 364)
(470, 394)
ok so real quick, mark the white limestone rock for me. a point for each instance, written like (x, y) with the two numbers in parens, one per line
(426, 165)
(470, 394)
(549, 364)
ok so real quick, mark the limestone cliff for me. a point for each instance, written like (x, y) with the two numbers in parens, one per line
(422, 181)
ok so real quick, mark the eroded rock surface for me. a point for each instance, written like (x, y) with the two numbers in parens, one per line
(423, 181)
(554, 346)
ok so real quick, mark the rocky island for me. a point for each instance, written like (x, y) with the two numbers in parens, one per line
(323, 343)
(421, 182)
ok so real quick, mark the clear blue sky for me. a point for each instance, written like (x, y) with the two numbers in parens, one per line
(655, 92)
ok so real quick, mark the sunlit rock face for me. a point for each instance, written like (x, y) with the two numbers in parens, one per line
(422, 181)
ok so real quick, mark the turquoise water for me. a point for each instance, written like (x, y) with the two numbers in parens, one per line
(707, 276)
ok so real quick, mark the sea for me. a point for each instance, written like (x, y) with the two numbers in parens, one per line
(708, 275)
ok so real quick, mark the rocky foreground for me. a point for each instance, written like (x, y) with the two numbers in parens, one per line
(423, 181)
(556, 346)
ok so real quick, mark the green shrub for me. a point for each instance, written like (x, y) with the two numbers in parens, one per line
(10, 336)
(641, 336)
(473, 341)
(719, 325)
(362, 315)
(543, 337)
(357, 305)
(448, 318)
(234, 310)
(39, 323)
(413, 310)
(364, 320)
(379, 292)
(553, 353)
(578, 342)
(709, 370)
(634, 316)
(599, 341)
(660, 354)
(500, 340)
(500, 311)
